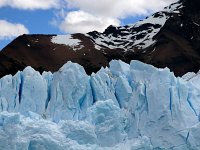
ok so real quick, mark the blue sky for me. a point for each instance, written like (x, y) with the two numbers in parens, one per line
(68, 16)
(36, 21)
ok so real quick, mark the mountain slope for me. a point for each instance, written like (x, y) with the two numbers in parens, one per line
(169, 38)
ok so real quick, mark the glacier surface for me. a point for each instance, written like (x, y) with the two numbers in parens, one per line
(129, 107)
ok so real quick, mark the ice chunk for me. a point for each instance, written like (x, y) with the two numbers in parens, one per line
(118, 67)
(103, 87)
(70, 93)
(9, 92)
(32, 92)
(194, 137)
(82, 132)
(188, 76)
(123, 91)
(9, 118)
(109, 121)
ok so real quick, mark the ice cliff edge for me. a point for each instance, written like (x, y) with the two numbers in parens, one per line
(134, 106)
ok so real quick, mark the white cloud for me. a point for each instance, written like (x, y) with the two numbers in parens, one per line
(31, 4)
(90, 14)
(119, 8)
(99, 14)
(9, 30)
(80, 21)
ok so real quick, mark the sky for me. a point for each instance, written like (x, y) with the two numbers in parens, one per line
(19, 17)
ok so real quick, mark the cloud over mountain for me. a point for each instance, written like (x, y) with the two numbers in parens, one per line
(97, 15)
(87, 15)
(80, 21)
(9, 30)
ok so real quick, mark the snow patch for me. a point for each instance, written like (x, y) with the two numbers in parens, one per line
(67, 40)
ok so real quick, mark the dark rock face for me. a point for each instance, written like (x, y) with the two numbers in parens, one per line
(169, 38)
(179, 40)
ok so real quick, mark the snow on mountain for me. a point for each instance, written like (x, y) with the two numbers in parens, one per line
(67, 40)
(139, 35)
(130, 107)
(173, 8)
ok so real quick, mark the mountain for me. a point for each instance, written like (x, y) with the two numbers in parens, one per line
(169, 38)
(129, 107)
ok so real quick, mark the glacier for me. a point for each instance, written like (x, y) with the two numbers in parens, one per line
(125, 106)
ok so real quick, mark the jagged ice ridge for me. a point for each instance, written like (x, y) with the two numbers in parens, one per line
(130, 107)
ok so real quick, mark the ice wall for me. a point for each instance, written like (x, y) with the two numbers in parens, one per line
(120, 105)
